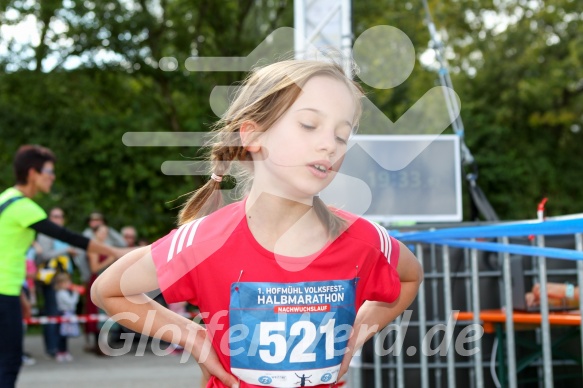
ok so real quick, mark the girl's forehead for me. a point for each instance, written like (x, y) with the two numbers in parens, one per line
(327, 95)
(324, 83)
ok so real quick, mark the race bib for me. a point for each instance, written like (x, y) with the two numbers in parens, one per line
(290, 334)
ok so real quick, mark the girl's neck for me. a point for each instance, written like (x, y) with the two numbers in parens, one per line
(274, 209)
(284, 226)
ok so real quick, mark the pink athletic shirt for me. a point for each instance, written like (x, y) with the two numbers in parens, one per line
(242, 289)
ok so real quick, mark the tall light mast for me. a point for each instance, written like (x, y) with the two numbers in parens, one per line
(325, 25)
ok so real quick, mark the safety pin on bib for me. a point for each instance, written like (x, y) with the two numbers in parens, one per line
(238, 281)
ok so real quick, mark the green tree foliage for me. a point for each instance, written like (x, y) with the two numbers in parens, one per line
(94, 76)
(517, 67)
(521, 83)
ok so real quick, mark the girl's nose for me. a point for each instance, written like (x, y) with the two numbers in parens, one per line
(327, 142)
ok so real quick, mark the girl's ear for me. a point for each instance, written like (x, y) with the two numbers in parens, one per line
(250, 133)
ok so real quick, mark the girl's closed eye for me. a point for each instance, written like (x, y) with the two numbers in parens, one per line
(341, 140)
(343, 135)
(307, 126)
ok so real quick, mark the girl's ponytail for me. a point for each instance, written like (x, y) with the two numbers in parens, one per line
(209, 198)
(202, 202)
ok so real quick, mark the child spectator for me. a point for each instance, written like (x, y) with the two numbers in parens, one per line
(67, 295)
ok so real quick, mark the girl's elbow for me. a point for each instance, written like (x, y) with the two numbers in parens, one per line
(413, 275)
(95, 294)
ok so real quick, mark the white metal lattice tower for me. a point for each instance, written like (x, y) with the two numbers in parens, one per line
(325, 25)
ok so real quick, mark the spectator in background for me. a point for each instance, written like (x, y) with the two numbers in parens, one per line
(31, 271)
(97, 264)
(95, 220)
(20, 219)
(53, 252)
(114, 239)
(129, 235)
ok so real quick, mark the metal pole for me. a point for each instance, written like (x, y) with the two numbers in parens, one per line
(401, 356)
(445, 79)
(355, 375)
(545, 325)
(391, 370)
(323, 23)
(510, 342)
(346, 37)
(476, 313)
(435, 310)
(299, 28)
(422, 323)
(448, 312)
(378, 378)
(467, 274)
(468, 279)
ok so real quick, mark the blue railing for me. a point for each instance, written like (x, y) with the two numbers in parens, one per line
(528, 240)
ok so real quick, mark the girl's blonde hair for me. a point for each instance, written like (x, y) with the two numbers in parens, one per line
(264, 97)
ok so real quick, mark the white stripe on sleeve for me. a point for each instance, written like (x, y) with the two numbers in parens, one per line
(385, 243)
(193, 231)
(183, 237)
(174, 240)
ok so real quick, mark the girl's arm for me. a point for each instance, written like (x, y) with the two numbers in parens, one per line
(121, 291)
(374, 316)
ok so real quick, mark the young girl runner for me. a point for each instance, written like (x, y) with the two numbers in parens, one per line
(288, 288)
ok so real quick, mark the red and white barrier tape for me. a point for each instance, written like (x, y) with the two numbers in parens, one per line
(71, 318)
(85, 318)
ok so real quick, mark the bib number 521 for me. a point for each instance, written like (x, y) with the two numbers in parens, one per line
(274, 333)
